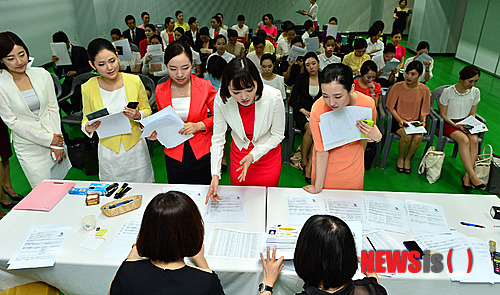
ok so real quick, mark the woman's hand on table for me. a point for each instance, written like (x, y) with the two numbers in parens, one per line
(245, 163)
(312, 189)
(212, 190)
(371, 132)
(271, 268)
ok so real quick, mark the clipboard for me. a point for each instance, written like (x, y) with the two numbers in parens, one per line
(45, 196)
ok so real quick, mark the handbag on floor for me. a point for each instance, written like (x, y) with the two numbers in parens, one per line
(431, 164)
(296, 159)
(494, 181)
(483, 164)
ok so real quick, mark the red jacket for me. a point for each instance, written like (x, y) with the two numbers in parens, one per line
(202, 98)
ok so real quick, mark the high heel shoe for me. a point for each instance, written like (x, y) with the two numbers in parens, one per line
(13, 198)
(482, 186)
(7, 206)
(307, 179)
(466, 187)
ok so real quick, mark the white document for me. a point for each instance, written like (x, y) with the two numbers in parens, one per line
(339, 127)
(229, 243)
(40, 246)
(197, 194)
(59, 170)
(312, 44)
(380, 240)
(300, 208)
(295, 52)
(91, 242)
(344, 208)
(356, 229)
(411, 129)
(156, 53)
(424, 57)
(386, 214)
(230, 209)
(60, 50)
(285, 240)
(426, 218)
(332, 30)
(111, 125)
(123, 240)
(378, 52)
(123, 48)
(482, 266)
(167, 125)
(478, 126)
(391, 65)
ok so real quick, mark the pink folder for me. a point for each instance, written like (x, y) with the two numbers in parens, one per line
(45, 196)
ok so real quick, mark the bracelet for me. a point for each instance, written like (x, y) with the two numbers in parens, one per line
(56, 147)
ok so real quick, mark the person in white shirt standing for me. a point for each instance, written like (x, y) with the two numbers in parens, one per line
(220, 45)
(312, 13)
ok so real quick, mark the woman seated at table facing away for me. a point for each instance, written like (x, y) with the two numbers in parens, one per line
(458, 102)
(423, 47)
(356, 58)
(190, 97)
(171, 229)
(366, 84)
(28, 106)
(122, 157)
(408, 101)
(325, 259)
(341, 167)
(256, 115)
(304, 93)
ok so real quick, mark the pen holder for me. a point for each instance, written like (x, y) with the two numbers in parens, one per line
(134, 204)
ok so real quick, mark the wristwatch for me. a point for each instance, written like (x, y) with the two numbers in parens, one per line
(263, 288)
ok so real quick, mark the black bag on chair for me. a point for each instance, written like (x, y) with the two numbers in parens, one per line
(82, 153)
(494, 181)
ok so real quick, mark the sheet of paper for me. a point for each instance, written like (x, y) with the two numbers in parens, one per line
(312, 44)
(167, 125)
(357, 231)
(91, 242)
(482, 266)
(197, 194)
(156, 53)
(410, 129)
(344, 208)
(123, 49)
(386, 214)
(60, 50)
(59, 170)
(378, 52)
(426, 218)
(300, 208)
(478, 126)
(380, 240)
(391, 65)
(122, 242)
(230, 243)
(285, 240)
(295, 52)
(114, 124)
(339, 127)
(230, 209)
(424, 57)
(40, 246)
(332, 30)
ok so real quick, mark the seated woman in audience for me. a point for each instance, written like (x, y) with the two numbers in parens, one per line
(269, 28)
(373, 41)
(153, 71)
(268, 62)
(116, 35)
(408, 101)
(122, 157)
(194, 32)
(242, 29)
(132, 65)
(234, 46)
(304, 93)
(400, 50)
(309, 28)
(215, 68)
(366, 83)
(220, 45)
(268, 48)
(143, 45)
(196, 56)
(256, 115)
(284, 28)
(457, 103)
(225, 27)
(171, 229)
(180, 21)
(325, 259)
(145, 20)
(178, 33)
(168, 35)
(356, 58)
(284, 44)
(217, 27)
(328, 57)
(341, 167)
(291, 69)
(256, 55)
(205, 47)
(28, 106)
(386, 78)
(338, 39)
(190, 97)
(423, 47)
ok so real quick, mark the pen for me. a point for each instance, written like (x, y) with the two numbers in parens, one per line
(471, 224)
(122, 188)
(119, 204)
(370, 243)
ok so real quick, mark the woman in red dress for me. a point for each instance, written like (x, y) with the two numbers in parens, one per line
(256, 115)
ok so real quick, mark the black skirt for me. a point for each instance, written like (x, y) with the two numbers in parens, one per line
(5, 148)
(190, 170)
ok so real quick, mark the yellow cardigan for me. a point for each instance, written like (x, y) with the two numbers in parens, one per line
(92, 101)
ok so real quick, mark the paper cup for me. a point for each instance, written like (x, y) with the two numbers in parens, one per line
(88, 222)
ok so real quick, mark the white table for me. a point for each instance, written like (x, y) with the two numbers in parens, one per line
(472, 208)
(82, 271)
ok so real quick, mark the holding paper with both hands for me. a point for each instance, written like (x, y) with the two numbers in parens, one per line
(167, 127)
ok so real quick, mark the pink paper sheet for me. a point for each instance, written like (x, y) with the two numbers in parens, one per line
(45, 196)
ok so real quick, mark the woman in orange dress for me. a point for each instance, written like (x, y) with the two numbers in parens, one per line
(341, 167)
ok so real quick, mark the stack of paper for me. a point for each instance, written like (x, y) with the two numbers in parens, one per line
(122, 242)
(229, 243)
(167, 125)
(60, 49)
(412, 129)
(391, 65)
(424, 57)
(477, 126)
(285, 240)
(111, 125)
(332, 30)
(156, 53)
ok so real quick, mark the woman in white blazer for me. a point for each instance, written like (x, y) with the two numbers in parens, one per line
(28, 106)
(256, 115)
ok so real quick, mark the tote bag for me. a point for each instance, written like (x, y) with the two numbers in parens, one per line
(431, 164)
(483, 164)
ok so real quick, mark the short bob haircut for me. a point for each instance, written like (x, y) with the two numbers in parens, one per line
(258, 40)
(337, 73)
(151, 26)
(367, 66)
(297, 39)
(116, 32)
(217, 19)
(180, 30)
(268, 56)
(97, 45)
(231, 33)
(157, 37)
(216, 66)
(311, 55)
(240, 73)
(144, 13)
(328, 38)
(468, 72)
(171, 228)
(204, 31)
(390, 48)
(269, 16)
(60, 37)
(220, 36)
(177, 48)
(192, 20)
(380, 24)
(167, 20)
(7, 42)
(241, 18)
(415, 65)
(333, 18)
(373, 31)
(177, 13)
(423, 45)
(396, 32)
(360, 44)
(325, 252)
(308, 24)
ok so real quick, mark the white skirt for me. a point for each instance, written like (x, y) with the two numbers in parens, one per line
(133, 165)
(35, 160)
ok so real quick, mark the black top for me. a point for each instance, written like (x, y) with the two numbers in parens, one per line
(140, 35)
(300, 97)
(294, 72)
(366, 286)
(142, 277)
(79, 62)
(189, 34)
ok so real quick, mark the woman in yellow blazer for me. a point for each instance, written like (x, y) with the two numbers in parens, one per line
(122, 157)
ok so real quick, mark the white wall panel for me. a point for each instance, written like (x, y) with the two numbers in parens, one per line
(471, 30)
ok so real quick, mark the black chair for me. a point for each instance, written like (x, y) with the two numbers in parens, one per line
(163, 80)
(75, 118)
(57, 85)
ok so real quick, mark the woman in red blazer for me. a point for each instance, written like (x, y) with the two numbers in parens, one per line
(190, 97)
